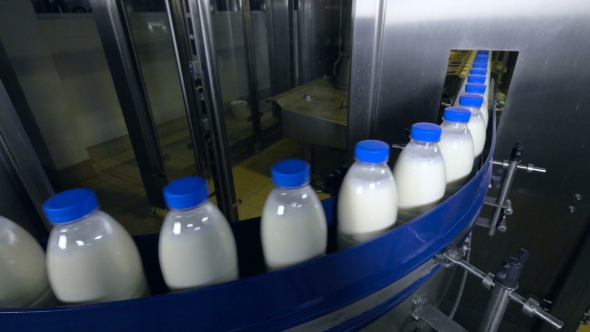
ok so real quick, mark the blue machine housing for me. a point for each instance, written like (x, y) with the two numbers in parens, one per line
(286, 298)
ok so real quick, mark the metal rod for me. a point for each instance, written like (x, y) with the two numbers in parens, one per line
(339, 42)
(224, 184)
(113, 29)
(496, 308)
(292, 59)
(463, 280)
(182, 53)
(468, 267)
(529, 168)
(504, 190)
(252, 74)
(536, 311)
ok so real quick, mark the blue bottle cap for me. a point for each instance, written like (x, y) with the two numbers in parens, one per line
(470, 100)
(290, 173)
(186, 193)
(457, 114)
(70, 205)
(478, 71)
(371, 151)
(425, 132)
(483, 65)
(482, 56)
(483, 52)
(480, 60)
(475, 88)
(476, 79)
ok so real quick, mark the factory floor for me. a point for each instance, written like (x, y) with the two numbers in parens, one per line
(121, 193)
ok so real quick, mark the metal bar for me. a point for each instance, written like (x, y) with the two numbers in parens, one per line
(112, 25)
(495, 310)
(18, 129)
(504, 190)
(252, 74)
(221, 162)
(435, 318)
(180, 39)
(270, 32)
(529, 168)
(530, 308)
(362, 99)
(292, 60)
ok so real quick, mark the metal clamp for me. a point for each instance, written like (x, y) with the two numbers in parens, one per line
(502, 205)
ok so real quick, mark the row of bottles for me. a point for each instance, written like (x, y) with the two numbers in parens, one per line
(91, 258)
(438, 160)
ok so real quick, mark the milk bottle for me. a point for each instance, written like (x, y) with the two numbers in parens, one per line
(480, 89)
(456, 146)
(90, 257)
(367, 202)
(477, 123)
(23, 278)
(478, 71)
(419, 172)
(293, 228)
(479, 65)
(197, 247)
(476, 79)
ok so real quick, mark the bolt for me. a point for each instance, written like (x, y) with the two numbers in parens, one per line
(578, 197)
(572, 209)
(415, 316)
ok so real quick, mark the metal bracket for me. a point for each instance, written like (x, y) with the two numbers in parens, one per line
(421, 309)
(502, 205)
(530, 307)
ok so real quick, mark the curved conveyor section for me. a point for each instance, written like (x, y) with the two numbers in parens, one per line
(344, 289)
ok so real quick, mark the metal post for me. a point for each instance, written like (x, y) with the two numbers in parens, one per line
(180, 40)
(112, 25)
(505, 188)
(23, 143)
(221, 163)
(362, 98)
(495, 310)
(252, 74)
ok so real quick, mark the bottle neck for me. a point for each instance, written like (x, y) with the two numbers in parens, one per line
(189, 208)
(291, 188)
(76, 220)
(367, 164)
(423, 143)
(455, 124)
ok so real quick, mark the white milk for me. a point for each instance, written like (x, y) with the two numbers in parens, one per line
(420, 176)
(293, 228)
(367, 203)
(94, 260)
(23, 278)
(197, 248)
(456, 146)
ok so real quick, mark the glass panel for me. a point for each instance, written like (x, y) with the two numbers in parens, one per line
(251, 172)
(155, 51)
(63, 72)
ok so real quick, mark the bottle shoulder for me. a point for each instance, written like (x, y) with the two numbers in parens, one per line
(202, 216)
(419, 151)
(283, 201)
(95, 228)
(362, 172)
